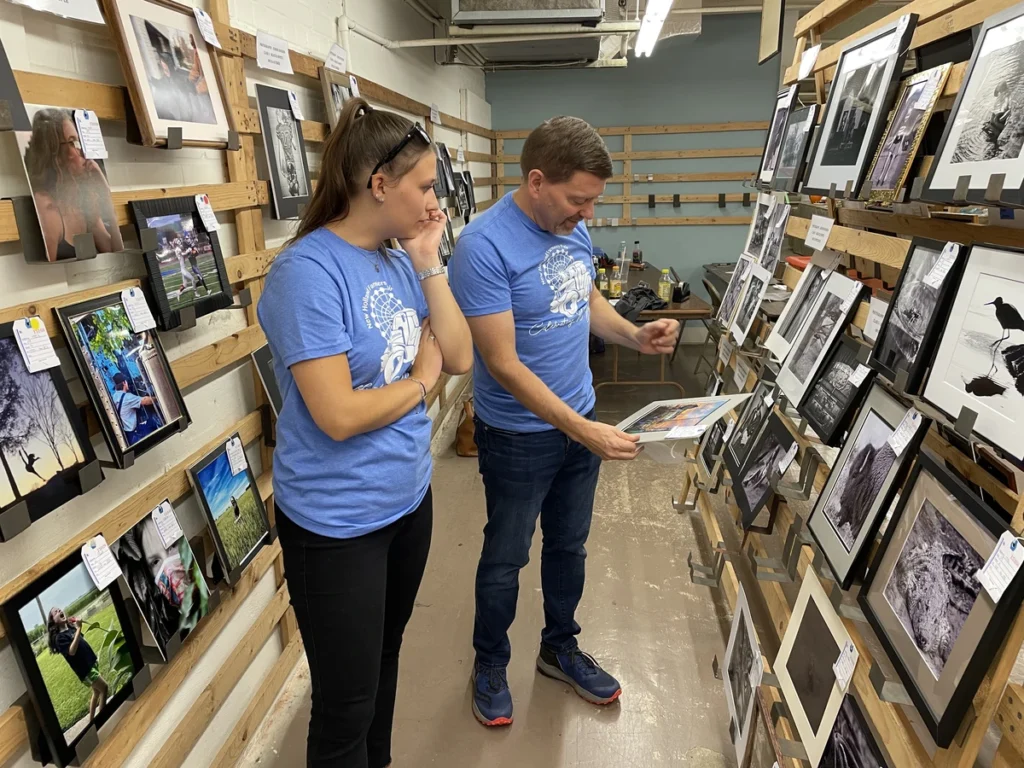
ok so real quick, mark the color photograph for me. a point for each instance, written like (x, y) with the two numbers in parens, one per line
(188, 269)
(236, 510)
(666, 417)
(174, 71)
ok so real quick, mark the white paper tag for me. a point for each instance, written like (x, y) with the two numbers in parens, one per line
(854, 294)
(818, 232)
(460, 155)
(827, 259)
(787, 459)
(685, 433)
(236, 455)
(904, 433)
(728, 432)
(337, 59)
(435, 114)
(206, 213)
(35, 345)
(90, 135)
(901, 27)
(942, 266)
(807, 61)
(858, 376)
(615, 222)
(739, 377)
(353, 85)
(772, 202)
(636, 177)
(100, 563)
(206, 27)
(139, 313)
(650, 177)
(725, 350)
(876, 314)
(1002, 565)
(166, 524)
(845, 665)
(769, 401)
(272, 54)
(293, 100)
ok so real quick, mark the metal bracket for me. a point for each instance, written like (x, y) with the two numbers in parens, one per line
(90, 476)
(848, 190)
(917, 188)
(802, 488)
(779, 709)
(794, 750)
(994, 190)
(721, 199)
(234, 142)
(964, 425)
(865, 189)
(147, 239)
(902, 375)
(746, 199)
(244, 299)
(676, 202)
(86, 744)
(782, 569)
(832, 190)
(847, 610)
(128, 461)
(888, 690)
(186, 318)
(684, 505)
(963, 185)
(140, 683)
(650, 201)
(863, 353)
(14, 520)
(772, 681)
(901, 195)
(702, 574)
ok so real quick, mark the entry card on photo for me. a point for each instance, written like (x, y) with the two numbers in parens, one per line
(826, 259)
(90, 135)
(904, 433)
(1002, 565)
(206, 213)
(139, 313)
(858, 376)
(337, 59)
(236, 456)
(460, 155)
(685, 433)
(787, 459)
(293, 101)
(100, 563)
(942, 266)
(818, 232)
(876, 314)
(35, 345)
(807, 60)
(353, 85)
(272, 54)
(435, 114)
(166, 523)
(206, 28)
(845, 665)
(725, 350)
(742, 371)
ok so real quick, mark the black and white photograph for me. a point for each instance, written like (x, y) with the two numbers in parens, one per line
(741, 667)
(810, 664)
(819, 332)
(858, 96)
(470, 191)
(761, 466)
(771, 250)
(711, 445)
(714, 384)
(832, 398)
(753, 295)
(286, 152)
(797, 139)
(743, 670)
(336, 91)
(804, 297)
(773, 141)
(758, 227)
(851, 744)
(732, 292)
(932, 587)
(749, 424)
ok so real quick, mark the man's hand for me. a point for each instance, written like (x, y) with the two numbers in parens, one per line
(608, 442)
(657, 337)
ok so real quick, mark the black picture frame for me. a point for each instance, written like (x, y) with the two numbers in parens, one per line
(770, 36)
(65, 484)
(289, 196)
(943, 727)
(843, 355)
(748, 427)
(468, 177)
(929, 340)
(803, 121)
(143, 212)
(217, 460)
(61, 751)
(10, 93)
(263, 359)
(773, 431)
(123, 457)
(444, 183)
(774, 136)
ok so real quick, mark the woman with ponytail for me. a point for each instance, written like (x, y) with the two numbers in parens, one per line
(359, 334)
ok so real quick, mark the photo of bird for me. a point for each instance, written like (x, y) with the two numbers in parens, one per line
(1008, 317)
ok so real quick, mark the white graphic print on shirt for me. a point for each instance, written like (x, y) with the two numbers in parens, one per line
(570, 282)
(399, 326)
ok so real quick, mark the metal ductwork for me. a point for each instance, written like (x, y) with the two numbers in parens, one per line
(473, 12)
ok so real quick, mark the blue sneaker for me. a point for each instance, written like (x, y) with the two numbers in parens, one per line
(582, 672)
(492, 700)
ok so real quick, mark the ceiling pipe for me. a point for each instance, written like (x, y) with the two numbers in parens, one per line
(607, 28)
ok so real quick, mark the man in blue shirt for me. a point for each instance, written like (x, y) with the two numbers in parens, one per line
(523, 275)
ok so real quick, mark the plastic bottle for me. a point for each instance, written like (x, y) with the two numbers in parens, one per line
(615, 284)
(638, 255)
(602, 282)
(665, 286)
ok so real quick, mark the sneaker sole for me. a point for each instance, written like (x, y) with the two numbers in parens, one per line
(495, 723)
(556, 673)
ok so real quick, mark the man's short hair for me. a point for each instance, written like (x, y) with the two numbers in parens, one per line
(561, 146)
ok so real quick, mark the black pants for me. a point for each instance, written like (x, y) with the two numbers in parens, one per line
(352, 599)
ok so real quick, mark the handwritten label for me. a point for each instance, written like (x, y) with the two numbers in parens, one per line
(90, 135)
(272, 54)
(166, 523)
(772, 202)
(206, 27)
(236, 455)
(35, 345)
(139, 313)
(818, 232)
(858, 376)
(353, 85)
(685, 433)
(876, 314)
(845, 665)
(787, 459)
(206, 213)
(942, 266)
(728, 432)
(739, 378)
(100, 563)
(807, 60)
(337, 59)
(901, 28)
(1002, 565)
(904, 433)
(460, 155)
(435, 114)
(725, 351)
(293, 100)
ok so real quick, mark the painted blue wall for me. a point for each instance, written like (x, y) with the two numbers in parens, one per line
(710, 78)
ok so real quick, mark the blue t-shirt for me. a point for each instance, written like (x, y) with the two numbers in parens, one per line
(324, 297)
(504, 261)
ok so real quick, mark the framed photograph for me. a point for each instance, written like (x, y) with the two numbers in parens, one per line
(10, 93)
(286, 152)
(860, 98)
(832, 399)
(731, 297)
(173, 79)
(654, 421)
(828, 318)
(902, 137)
(337, 92)
(186, 269)
(45, 443)
(770, 38)
(758, 226)
(714, 384)
(853, 742)
(776, 130)
(765, 750)
(865, 478)
(797, 138)
(917, 310)
(748, 425)
(771, 250)
(743, 668)
(753, 295)
(711, 445)
(234, 509)
(461, 197)
(126, 375)
(982, 135)
(166, 581)
(753, 489)
(980, 358)
(75, 647)
(70, 193)
(804, 298)
(263, 359)
(938, 626)
(468, 177)
(811, 645)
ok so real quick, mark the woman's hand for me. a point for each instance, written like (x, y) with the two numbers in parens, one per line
(423, 249)
(427, 365)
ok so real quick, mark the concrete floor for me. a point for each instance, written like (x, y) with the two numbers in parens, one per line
(641, 617)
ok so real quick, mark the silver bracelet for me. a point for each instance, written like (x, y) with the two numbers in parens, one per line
(423, 388)
(438, 270)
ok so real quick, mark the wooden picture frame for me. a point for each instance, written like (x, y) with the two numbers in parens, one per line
(832, 399)
(769, 39)
(337, 91)
(285, 146)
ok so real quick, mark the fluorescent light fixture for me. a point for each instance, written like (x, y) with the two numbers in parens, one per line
(654, 17)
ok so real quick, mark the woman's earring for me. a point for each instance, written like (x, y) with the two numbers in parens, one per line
(379, 199)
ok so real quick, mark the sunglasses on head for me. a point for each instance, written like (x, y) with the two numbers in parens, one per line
(416, 132)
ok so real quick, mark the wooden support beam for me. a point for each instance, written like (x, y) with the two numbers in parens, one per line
(641, 178)
(196, 366)
(681, 221)
(878, 248)
(13, 733)
(647, 130)
(935, 228)
(1010, 718)
(828, 14)
(673, 154)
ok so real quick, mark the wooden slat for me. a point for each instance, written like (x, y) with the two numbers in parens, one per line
(206, 705)
(671, 154)
(196, 366)
(1007, 499)
(680, 221)
(886, 250)
(13, 733)
(315, 132)
(823, 13)
(458, 124)
(44, 307)
(647, 130)
(937, 229)
(1009, 717)
(248, 266)
(1007, 756)
(107, 101)
(473, 157)
(250, 720)
(730, 197)
(656, 178)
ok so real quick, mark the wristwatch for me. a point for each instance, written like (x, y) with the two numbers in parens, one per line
(438, 270)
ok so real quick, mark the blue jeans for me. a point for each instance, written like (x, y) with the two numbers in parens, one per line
(527, 475)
